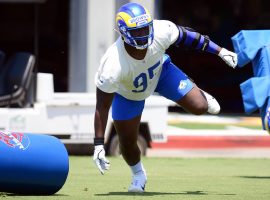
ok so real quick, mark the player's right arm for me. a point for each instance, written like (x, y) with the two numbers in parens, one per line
(106, 80)
(189, 38)
(103, 104)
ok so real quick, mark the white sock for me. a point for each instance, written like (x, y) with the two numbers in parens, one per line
(137, 168)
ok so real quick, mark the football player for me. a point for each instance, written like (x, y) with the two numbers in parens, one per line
(135, 67)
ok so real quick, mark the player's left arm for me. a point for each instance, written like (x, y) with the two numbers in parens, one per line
(190, 38)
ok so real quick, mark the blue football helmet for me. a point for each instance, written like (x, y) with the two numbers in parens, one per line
(135, 25)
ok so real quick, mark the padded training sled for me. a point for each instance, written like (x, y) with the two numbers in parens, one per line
(254, 46)
(32, 164)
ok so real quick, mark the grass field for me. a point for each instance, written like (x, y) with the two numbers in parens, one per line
(168, 178)
(216, 126)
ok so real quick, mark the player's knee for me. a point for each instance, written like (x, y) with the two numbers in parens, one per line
(126, 143)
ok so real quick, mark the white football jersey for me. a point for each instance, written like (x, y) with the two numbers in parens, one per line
(135, 79)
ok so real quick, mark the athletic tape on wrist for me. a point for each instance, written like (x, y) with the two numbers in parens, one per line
(98, 141)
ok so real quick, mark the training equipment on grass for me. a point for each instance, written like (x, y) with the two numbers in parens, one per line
(32, 164)
(253, 46)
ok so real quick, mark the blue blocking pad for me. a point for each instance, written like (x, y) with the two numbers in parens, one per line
(32, 164)
(261, 62)
(255, 92)
(247, 43)
(254, 46)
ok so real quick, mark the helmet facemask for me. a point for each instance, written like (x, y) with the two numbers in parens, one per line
(138, 37)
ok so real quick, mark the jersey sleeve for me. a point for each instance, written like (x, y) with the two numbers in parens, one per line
(107, 76)
(166, 33)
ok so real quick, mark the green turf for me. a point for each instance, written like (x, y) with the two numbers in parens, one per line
(168, 178)
(212, 126)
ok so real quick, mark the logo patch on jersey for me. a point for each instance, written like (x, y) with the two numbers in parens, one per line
(183, 84)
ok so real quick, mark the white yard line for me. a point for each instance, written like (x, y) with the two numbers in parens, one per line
(203, 118)
(211, 153)
(174, 131)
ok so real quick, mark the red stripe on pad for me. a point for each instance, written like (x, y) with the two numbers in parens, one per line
(213, 142)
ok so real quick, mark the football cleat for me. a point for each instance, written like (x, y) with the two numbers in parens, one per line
(138, 182)
(213, 105)
(135, 25)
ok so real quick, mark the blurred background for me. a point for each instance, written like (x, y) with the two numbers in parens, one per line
(69, 37)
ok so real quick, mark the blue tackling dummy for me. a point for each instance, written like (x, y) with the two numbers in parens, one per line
(254, 46)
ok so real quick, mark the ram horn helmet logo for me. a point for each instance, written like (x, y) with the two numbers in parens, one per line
(15, 140)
